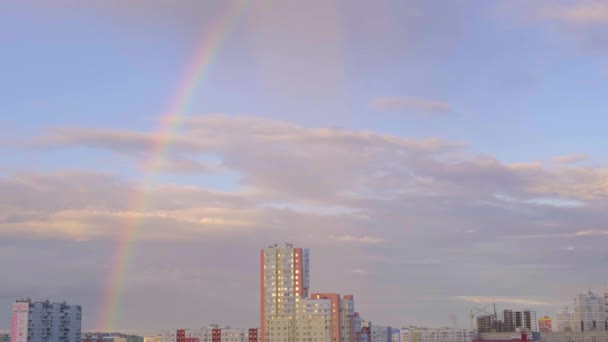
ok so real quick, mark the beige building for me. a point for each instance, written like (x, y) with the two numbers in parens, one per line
(445, 334)
(289, 314)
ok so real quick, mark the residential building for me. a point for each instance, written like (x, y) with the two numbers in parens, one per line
(218, 333)
(444, 334)
(211, 333)
(508, 321)
(575, 336)
(566, 320)
(253, 335)
(284, 279)
(381, 333)
(396, 335)
(5, 338)
(366, 331)
(111, 337)
(46, 322)
(288, 313)
(590, 312)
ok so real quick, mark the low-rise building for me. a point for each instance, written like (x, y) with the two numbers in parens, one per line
(444, 334)
(574, 336)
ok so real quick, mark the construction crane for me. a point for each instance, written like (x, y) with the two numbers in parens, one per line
(477, 311)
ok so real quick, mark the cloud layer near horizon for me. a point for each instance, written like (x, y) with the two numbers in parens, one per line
(369, 204)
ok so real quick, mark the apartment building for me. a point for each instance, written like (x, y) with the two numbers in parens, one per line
(46, 322)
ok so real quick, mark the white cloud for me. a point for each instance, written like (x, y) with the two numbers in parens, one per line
(502, 300)
(581, 12)
(369, 240)
(569, 159)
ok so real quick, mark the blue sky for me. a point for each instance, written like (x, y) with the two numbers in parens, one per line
(418, 120)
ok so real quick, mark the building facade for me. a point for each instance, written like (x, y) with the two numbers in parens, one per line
(396, 335)
(211, 333)
(566, 320)
(217, 333)
(508, 321)
(284, 280)
(590, 312)
(289, 313)
(46, 322)
(381, 333)
(420, 334)
(575, 336)
(112, 337)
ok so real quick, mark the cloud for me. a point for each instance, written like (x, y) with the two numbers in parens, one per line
(360, 200)
(582, 12)
(501, 300)
(408, 104)
(368, 240)
(569, 159)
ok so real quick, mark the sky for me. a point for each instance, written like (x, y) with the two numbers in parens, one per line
(435, 156)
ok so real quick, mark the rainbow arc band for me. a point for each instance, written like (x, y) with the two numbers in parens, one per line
(168, 126)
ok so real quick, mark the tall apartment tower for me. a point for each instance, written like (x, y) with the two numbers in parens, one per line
(46, 322)
(284, 282)
(590, 312)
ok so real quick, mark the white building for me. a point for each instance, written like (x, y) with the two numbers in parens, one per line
(590, 312)
(226, 334)
(566, 320)
(46, 322)
(587, 336)
(418, 334)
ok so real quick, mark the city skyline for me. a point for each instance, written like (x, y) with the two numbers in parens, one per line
(435, 155)
(296, 264)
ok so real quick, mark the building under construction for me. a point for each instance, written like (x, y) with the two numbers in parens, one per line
(507, 321)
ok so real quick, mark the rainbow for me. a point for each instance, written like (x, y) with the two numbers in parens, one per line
(195, 73)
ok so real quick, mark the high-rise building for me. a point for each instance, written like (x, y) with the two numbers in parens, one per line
(590, 312)
(289, 314)
(284, 280)
(46, 322)
(509, 321)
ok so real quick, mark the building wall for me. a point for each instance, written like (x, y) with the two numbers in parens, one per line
(396, 335)
(216, 333)
(284, 278)
(419, 334)
(55, 322)
(590, 312)
(593, 336)
(381, 333)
